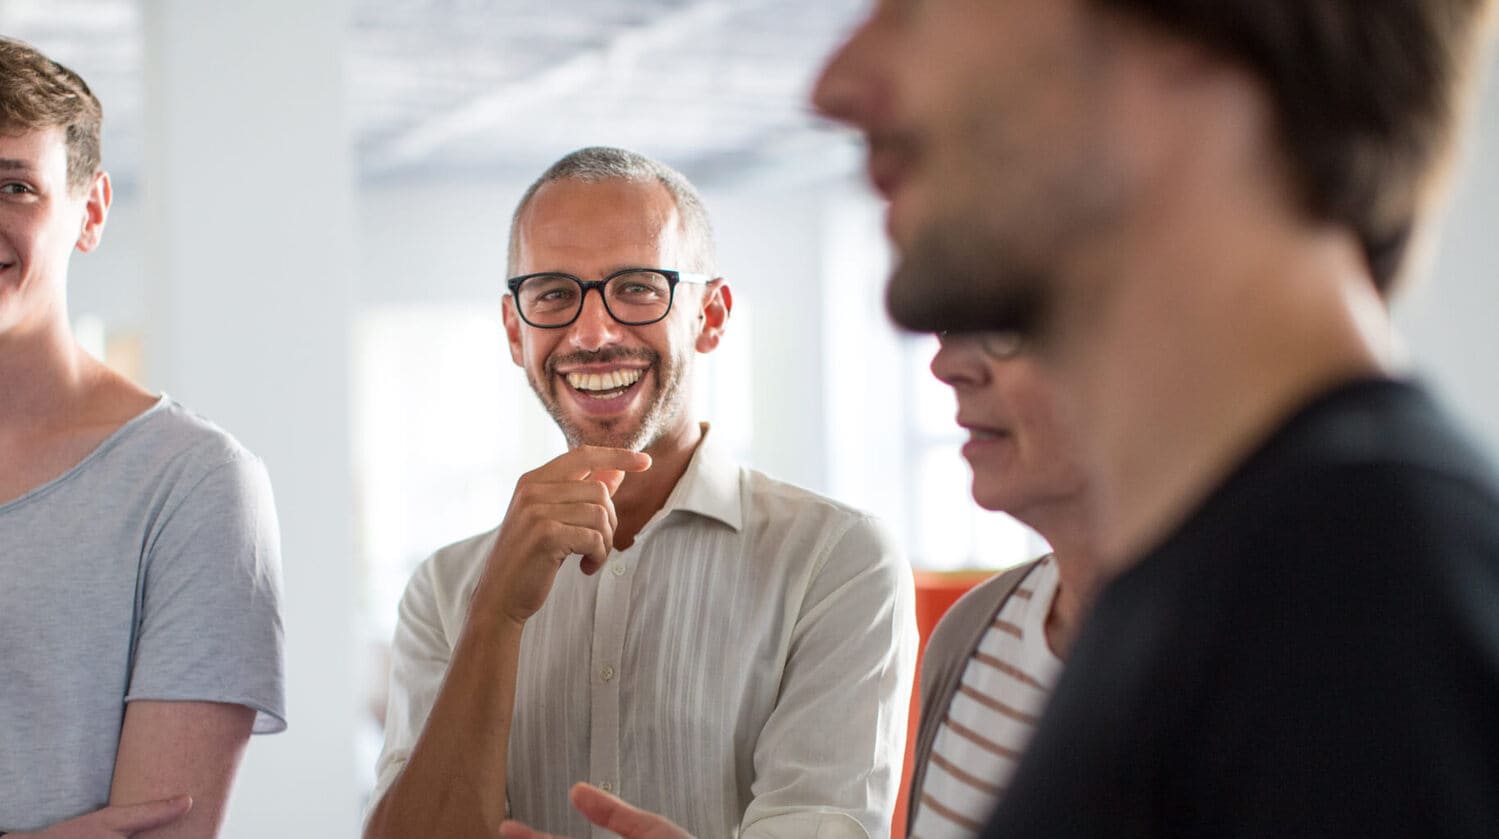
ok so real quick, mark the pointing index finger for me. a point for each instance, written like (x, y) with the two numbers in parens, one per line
(585, 461)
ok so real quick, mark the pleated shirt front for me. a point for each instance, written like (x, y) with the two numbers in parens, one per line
(742, 668)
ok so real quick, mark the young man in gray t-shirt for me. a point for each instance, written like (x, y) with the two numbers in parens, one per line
(140, 628)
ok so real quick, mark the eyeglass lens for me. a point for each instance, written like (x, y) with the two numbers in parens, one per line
(633, 297)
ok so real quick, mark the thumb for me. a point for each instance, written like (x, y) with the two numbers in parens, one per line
(147, 815)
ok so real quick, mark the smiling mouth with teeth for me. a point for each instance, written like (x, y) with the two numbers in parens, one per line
(604, 385)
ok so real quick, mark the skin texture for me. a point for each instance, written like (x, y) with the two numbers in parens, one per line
(60, 403)
(1024, 459)
(118, 822)
(1019, 448)
(966, 150)
(192, 746)
(600, 228)
(1118, 197)
(625, 455)
(177, 760)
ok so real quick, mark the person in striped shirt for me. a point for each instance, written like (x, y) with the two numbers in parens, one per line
(990, 664)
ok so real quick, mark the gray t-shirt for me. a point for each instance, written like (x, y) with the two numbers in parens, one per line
(151, 570)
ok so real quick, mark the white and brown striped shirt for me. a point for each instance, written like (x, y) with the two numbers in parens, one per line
(993, 714)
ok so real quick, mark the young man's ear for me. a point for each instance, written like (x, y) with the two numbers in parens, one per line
(95, 211)
(512, 329)
(718, 302)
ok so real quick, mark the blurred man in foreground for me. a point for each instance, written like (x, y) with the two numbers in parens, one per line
(1193, 212)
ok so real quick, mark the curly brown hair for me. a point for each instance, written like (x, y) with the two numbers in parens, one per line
(37, 93)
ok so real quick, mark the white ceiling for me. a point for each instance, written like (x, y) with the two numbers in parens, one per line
(502, 87)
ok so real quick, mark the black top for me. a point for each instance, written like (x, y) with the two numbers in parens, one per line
(1315, 652)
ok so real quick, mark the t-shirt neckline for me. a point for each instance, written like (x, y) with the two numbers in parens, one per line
(98, 452)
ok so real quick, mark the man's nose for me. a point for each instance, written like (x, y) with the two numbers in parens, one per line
(847, 88)
(595, 328)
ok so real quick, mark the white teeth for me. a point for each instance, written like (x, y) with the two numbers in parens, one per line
(612, 380)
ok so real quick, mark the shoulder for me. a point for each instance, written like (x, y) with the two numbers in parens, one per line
(823, 547)
(1369, 439)
(1382, 485)
(178, 444)
(1366, 478)
(442, 584)
(1369, 507)
(178, 471)
(963, 624)
(776, 507)
(461, 559)
(963, 621)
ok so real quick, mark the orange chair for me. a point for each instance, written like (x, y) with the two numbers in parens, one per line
(935, 592)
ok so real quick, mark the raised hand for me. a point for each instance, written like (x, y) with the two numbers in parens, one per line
(564, 507)
(561, 508)
(117, 822)
(607, 812)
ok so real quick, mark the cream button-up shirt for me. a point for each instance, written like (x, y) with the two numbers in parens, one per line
(743, 668)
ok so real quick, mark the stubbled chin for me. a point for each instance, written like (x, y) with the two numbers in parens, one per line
(584, 430)
(620, 430)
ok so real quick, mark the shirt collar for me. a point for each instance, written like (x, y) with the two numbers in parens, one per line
(710, 486)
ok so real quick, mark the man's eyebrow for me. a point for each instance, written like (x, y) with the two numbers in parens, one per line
(13, 165)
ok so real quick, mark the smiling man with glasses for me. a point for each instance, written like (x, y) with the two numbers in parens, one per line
(650, 616)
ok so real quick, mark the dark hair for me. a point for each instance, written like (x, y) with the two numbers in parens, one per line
(1367, 95)
(37, 93)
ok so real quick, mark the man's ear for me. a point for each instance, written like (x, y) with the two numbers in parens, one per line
(512, 330)
(95, 211)
(718, 302)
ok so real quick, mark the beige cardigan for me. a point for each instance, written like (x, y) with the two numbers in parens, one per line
(947, 652)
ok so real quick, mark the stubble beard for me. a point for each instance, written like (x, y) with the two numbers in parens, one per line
(663, 405)
(959, 278)
(1016, 214)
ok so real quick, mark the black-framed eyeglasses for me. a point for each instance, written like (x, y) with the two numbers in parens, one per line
(632, 296)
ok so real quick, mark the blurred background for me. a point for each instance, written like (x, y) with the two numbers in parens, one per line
(308, 244)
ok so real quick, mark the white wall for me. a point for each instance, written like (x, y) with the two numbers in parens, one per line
(235, 263)
(1452, 318)
(770, 249)
(434, 241)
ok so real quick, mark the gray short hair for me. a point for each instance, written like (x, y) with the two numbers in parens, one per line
(602, 163)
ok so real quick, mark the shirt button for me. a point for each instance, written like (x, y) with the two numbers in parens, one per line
(606, 786)
(619, 568)
(607, 673)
